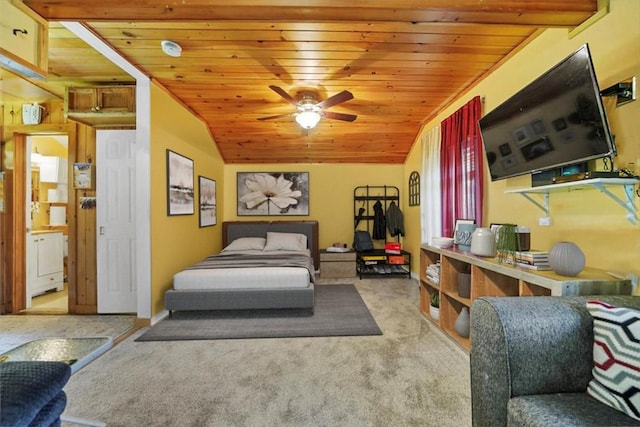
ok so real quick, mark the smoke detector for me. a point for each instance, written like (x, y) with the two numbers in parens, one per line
(171, 48)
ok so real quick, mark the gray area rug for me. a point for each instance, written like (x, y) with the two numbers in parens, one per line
(339, 311)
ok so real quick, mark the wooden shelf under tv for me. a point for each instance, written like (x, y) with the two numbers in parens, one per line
(491, 278)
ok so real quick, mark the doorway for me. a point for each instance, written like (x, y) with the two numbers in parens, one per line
(21, 194)
(47, 234)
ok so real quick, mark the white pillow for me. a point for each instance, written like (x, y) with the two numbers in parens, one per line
(285, 242)
(246, 244)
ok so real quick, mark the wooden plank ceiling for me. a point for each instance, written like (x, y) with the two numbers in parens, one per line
(403, 61)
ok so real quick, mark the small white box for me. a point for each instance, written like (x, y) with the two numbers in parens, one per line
(57, 215)
(52, 195)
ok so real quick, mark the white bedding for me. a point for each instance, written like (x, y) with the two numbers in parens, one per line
(243, 278)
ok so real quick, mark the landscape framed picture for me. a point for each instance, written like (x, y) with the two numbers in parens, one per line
(179, 184)
(207, 201)
(273, 193)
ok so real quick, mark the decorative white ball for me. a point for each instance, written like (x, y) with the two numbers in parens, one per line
(566, 259)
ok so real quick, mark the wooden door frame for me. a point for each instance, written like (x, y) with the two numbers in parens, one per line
(14, 284)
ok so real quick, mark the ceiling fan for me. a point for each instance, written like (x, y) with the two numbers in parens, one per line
(310, 110)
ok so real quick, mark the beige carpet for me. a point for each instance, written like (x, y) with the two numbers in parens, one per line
(412, 375)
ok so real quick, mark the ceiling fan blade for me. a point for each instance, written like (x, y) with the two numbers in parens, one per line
(336, 99)
(340, 116)
(276, 116)
(283, 94)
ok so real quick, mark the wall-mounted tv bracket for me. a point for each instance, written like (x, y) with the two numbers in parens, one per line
(624, 91)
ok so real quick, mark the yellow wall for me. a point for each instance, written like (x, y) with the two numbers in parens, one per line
(411, 214)
(330, 193)
(590, 219)
(178, 241)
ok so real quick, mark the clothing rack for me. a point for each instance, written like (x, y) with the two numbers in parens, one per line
(365, 197)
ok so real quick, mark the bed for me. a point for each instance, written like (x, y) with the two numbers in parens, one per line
(263, 265)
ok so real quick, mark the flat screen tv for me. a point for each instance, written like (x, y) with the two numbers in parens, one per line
(556, 120)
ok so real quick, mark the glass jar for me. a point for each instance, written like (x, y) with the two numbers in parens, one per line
(523, 234)
(483, 242)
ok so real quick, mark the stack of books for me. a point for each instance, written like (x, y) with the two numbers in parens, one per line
(533, 260)
(433, 273)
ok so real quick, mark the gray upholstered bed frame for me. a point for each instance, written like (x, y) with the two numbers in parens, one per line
(238, 299)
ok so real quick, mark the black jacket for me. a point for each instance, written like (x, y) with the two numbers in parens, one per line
(379, 223)
(395, 220)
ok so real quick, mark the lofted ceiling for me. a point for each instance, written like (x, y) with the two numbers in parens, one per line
(403, 61)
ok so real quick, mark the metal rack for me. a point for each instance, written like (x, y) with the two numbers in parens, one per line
(366, 196)
(376, 262)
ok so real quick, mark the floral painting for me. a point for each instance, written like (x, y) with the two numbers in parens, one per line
(273, 193)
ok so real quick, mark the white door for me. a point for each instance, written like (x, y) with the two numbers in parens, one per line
(116, 222)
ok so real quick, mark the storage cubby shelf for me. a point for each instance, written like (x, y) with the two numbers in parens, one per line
(491, 278)
(602, 184)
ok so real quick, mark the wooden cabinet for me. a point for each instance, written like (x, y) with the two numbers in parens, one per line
(45, 263)
(490, 278)
(23, 40)
(102, 106)
(337, 264)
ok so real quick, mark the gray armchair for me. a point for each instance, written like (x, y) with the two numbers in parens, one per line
(531, 361)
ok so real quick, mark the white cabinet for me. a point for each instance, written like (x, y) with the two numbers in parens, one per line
(44, 263)
(53, 169)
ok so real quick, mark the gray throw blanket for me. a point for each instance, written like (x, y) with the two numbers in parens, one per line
(240, 260)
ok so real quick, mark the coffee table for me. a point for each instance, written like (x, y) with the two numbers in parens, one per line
(77, 352)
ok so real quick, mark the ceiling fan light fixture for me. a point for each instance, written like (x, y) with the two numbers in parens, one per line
(171, 48)
(308, 119)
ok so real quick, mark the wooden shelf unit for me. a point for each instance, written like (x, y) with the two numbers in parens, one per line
(490, 278)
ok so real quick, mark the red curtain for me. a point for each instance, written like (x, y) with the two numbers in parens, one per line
(461, 166)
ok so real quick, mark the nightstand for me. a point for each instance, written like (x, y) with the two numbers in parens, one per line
(337, 264)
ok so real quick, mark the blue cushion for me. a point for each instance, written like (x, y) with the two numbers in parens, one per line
(49, 415)
(27, 389)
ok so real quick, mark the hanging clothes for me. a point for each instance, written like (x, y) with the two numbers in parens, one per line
(379, 223)
(359, 217)
(395, 220)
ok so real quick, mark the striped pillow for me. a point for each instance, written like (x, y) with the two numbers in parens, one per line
(616, 357)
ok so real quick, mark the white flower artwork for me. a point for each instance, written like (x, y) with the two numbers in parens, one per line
(273, 193)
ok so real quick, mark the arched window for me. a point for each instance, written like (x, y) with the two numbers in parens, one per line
(414, 189)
